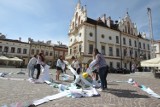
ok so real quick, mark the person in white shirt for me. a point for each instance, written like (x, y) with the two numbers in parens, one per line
(31, 66)
(75, 65)
(60, 67)
(40, 61)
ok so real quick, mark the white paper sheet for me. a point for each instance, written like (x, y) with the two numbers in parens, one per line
(59, 95)
(41, 101)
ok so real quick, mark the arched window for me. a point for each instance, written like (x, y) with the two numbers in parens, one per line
(6, 49)
(79, 21)
(73, 25)
(76, 16)
(12, 49)
(125, 29)
(128, 27)
(131, 31)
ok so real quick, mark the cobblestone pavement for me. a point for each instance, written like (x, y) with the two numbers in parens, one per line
(118, 94)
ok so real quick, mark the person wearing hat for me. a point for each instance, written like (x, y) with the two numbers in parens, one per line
(75, 65)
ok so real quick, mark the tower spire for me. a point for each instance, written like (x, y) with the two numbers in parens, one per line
(79, 4)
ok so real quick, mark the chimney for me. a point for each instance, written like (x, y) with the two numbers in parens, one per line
(103, 18)
(20, 38)
(109, 21)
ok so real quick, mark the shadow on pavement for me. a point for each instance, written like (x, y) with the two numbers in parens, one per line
(112, 84)
(126, 93)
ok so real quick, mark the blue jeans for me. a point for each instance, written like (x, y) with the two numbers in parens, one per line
(103, 75)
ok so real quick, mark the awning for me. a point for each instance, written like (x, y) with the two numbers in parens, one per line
(15, 59)
(4, 58)
(155, 62)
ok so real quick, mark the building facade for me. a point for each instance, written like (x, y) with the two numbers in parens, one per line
(59, 50)
(26, 50)
(156, 48)
(41, 47)
(14, 48)
(119, 41)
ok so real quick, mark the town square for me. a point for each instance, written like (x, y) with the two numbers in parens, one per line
(79, 53)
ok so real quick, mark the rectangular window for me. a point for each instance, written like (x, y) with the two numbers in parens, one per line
(111, 64)
(19, 50)
(144, 46)
(90, 49)
(110, 51)
(56, 54)
(103, 50)
(5, 49)
(148, 47)
(118, 64)
(117, 52)
(12, 49)
(0, 48)
(139, 44)
(135, 43)
(125, 65)
(50, 53)
(124, 52)
(46, 53)
(136, 54)
(130, 42)
(24, 51)
(124, 41)
(154, 48)
(32, 51)
(131, 52)
(37, 51)
(117, 39)
(149, 56)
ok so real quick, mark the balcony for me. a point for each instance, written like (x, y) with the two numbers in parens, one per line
(74, 30)
(79, 55)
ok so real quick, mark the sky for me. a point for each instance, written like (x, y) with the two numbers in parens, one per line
(49, 19)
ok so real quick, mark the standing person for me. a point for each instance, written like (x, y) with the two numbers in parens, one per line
(133, 68)
(101, 62)
(40, 61)
(31, 66)
(95, 72)
(75, 65)
(59, 67)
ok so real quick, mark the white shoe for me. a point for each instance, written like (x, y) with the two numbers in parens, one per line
(100, 89)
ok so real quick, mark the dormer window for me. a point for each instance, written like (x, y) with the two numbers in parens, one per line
(79, 34)
(71, 40)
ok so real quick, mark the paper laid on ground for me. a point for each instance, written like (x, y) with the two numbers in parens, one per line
(41, 101)
(56, 96)
(91, 92)
(18, 79)
(152, 93)
(47, 82)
